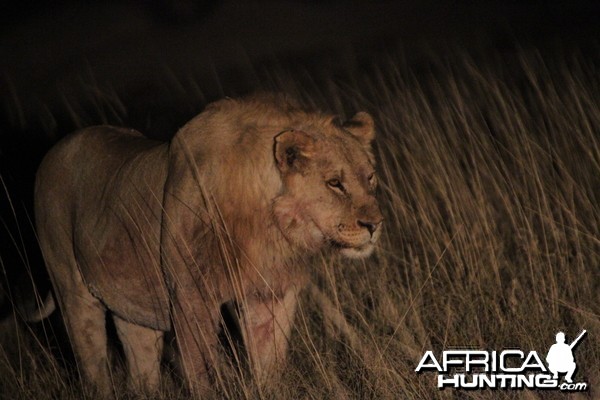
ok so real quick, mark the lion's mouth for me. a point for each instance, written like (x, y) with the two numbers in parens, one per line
(353, 250)
(337, 244)
(357, 252)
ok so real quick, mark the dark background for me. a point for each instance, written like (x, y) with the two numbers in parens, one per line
(152, 65)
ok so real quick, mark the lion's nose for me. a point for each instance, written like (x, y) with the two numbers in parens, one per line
(370, 225)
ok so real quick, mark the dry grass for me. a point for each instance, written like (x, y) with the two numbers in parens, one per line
(490, 176)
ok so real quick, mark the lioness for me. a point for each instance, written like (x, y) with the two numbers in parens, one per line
(162, 235)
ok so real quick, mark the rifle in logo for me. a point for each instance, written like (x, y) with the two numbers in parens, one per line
(560, 356)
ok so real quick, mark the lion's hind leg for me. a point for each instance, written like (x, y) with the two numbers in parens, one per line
(84, 317)
(143, 351)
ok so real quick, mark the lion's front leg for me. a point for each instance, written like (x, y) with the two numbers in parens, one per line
(266, 324)
(196, 330)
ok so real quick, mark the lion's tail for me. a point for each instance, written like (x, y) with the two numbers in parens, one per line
(41, 310)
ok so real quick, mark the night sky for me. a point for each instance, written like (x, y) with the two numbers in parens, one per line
(54, 54)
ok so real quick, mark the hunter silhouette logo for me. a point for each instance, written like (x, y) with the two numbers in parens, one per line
(506, 369)
(560, 356)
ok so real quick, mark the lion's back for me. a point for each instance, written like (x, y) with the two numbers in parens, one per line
(80, 164)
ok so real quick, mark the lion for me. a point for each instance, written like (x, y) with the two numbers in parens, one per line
(161, 236)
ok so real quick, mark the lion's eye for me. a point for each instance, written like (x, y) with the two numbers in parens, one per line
(336, 184)
(371, 177)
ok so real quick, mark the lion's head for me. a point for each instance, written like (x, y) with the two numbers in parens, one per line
(329, 187)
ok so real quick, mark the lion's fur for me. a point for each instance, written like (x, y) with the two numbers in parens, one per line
(163, 234)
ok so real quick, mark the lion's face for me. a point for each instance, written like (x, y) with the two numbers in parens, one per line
(329, 188)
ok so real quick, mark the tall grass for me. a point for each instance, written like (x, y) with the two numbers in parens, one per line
(490, 183)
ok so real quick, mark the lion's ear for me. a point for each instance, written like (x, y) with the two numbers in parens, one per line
(293, 149)
(362, 127)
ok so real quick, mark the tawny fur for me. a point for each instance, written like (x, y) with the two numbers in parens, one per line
(161, 235)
